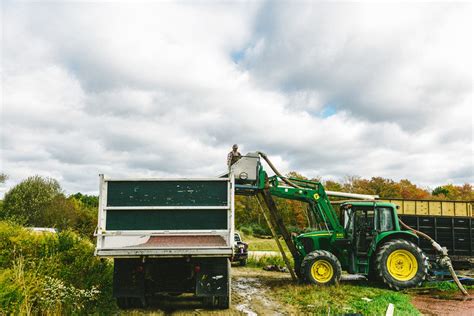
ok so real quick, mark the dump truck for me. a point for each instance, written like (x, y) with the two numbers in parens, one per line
(167, 237)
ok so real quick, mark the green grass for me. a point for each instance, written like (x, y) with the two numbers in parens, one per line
(263, 244)
(345, 299)
(266, 261)
(446, 286)
(340, 299)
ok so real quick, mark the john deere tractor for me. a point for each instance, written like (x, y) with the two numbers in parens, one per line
(365, 238)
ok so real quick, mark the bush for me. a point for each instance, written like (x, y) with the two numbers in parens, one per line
(47, 273)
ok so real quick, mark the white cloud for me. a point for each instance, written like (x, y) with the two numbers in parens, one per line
(164, 89)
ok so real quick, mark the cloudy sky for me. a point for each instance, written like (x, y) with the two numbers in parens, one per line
(164, 89)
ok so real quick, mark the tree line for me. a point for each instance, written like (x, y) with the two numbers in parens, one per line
(41, 202)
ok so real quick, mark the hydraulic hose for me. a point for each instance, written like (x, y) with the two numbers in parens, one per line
(444, 260)
(284, 179)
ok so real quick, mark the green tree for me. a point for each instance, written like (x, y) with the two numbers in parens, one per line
(3, 178)
(330, 185)
(40, 202)
(87, 200)
(454, 192)
(296, 175)
(440, 192)
(28, 201)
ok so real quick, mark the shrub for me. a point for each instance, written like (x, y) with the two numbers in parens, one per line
(255, 230)
(47, 273)
(264, 261)
(246, 230)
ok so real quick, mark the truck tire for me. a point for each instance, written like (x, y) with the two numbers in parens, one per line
(122, 302)
(223, 302)
(220, 302)
(243, 262)
(401, 264)
(131, 302)
(321, 267)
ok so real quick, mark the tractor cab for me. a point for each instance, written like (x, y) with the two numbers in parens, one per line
(366, 225)
(365, 219)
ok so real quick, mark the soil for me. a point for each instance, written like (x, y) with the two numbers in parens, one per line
(439, 303)
(251, 295)
(252, 292)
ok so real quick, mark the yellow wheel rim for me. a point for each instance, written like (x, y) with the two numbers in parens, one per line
(322, 271)
(402, 265)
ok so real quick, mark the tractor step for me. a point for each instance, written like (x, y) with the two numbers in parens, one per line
(363, 265)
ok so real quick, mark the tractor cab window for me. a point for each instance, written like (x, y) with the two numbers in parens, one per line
(385, 222)
(364, 220)
(358, 220)
(363, 228)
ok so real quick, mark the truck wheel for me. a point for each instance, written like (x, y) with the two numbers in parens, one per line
(122, 302)
(401, 264)
(321, 267)
(223, 302)
(243, 262)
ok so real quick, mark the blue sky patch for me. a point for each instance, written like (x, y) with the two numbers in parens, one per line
(328, 110)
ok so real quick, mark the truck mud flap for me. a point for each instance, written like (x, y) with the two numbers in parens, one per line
(213, 278)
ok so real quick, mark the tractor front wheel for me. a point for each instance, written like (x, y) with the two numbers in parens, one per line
(321, 267)
(401, 264)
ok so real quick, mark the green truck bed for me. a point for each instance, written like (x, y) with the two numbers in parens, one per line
(165, 217)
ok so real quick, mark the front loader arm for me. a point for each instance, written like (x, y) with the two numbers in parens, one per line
(312, 193)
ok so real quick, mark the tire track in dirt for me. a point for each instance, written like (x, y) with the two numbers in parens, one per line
(252, 296)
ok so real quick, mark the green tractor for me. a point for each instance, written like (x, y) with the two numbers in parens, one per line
(365, 238)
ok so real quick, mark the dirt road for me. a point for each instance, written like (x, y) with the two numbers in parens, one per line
(438, 303)
(251, 295)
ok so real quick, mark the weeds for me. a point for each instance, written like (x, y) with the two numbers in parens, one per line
(264, 261)
(53, 274)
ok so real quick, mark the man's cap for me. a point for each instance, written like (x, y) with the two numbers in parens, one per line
(235, 146)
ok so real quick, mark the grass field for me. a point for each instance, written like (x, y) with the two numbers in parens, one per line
(345, 299)
(263, 244)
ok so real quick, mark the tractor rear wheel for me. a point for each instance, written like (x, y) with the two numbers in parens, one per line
(321, 267)
(401, 264)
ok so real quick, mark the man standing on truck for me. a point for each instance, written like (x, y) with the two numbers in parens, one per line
(233, 156)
